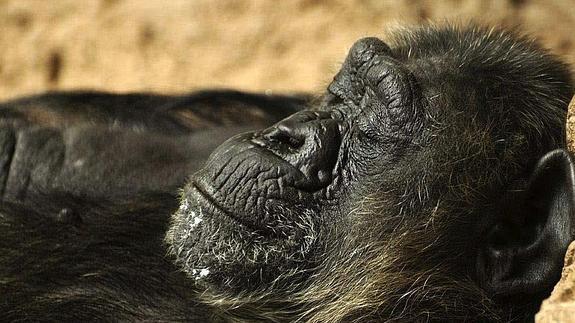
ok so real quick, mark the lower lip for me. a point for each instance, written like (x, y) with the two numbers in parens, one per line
(213, 208)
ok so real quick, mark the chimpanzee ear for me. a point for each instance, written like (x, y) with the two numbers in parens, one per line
(525, 249)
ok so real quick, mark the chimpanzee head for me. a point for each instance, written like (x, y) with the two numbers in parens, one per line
(426, 184)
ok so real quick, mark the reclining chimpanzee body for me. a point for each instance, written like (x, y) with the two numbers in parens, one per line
(429, 182)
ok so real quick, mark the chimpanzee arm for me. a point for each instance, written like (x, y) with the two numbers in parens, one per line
(151, 112)
(96, 144)
(98, 162)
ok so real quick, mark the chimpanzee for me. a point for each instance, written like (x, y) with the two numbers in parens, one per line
(429, 183)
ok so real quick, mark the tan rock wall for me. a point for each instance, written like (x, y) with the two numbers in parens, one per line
(178, 45)
(560, 306)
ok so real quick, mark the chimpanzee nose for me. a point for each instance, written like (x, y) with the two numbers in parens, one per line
(309, 141)
(285, 133)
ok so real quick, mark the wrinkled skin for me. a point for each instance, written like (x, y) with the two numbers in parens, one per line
(429, 183)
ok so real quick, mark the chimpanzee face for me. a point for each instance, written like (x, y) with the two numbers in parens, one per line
(422, 159)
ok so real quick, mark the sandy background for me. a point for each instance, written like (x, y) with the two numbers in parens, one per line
(181, 45)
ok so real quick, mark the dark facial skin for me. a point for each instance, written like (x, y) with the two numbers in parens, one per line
(407, 194)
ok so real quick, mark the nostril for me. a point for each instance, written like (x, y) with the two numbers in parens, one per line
(292, 133)
(283, 135)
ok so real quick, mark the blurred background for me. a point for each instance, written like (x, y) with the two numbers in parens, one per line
(259, 45)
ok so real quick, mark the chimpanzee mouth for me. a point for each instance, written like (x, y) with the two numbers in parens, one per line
(208, 204)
